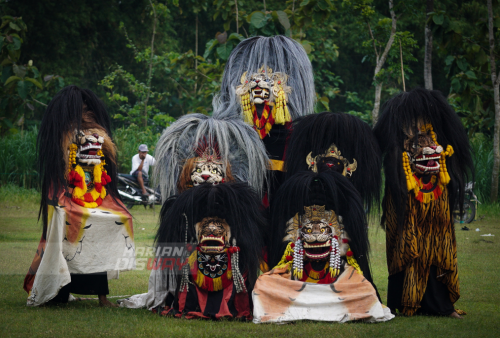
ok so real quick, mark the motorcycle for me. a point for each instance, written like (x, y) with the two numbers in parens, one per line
(131, 192)
(469, 206)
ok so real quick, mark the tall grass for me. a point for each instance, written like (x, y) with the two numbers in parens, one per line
(482, 147)
(11, 193)
(127, 141)
(18, 159)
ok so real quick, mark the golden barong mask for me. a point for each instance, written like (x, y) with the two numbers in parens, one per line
(264, 87)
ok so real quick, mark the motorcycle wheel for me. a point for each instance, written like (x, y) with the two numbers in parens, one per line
(469, 212)
(130, 205)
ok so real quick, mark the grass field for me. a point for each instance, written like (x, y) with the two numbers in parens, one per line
(479, 261)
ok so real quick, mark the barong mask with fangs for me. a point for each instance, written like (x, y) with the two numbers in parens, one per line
(320, 237)
(206, 168)
(424, 163)
(316, 229)
(263, 98)
(87, 175)
(213, 236)
(331, 160)
(423, 151)
(263, 86)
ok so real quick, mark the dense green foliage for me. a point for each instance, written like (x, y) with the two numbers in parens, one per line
(128, 139)
(152, 61)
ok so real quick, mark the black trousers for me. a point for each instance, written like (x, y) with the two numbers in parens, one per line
(435, 302)
(84, 284)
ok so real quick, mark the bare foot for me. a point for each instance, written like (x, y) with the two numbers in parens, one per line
(103, 301)
(456, 315)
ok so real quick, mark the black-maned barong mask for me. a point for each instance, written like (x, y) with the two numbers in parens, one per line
(423, 151)
(331, 160)
(424, 163)
(213, 235)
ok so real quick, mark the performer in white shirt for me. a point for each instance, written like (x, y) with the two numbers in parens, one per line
(140, 166)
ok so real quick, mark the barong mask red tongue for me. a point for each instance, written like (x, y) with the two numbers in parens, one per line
(424, 153)
(89, 144)
(316, 236)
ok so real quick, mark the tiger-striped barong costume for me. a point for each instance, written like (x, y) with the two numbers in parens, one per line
(428, 239)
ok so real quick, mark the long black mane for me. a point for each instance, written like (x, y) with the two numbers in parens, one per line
(236, 203)
(354, 138)
(330, 189)
(62, 116)
(406, 110)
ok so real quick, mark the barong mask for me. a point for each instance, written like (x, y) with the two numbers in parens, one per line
(331, 160)
(410, 125)
(206, 168)
(86, 160)
(424, 163)
(263, 99)
(267, 81)
(197, 149)
(213, 235)
(311, 238)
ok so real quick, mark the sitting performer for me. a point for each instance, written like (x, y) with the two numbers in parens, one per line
(198, 150)
(338, 142)
(86, 229)
(426, 160)
(268, 81)
(224, 223)
(324, 272)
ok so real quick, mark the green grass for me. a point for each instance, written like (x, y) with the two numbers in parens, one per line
(479, 260)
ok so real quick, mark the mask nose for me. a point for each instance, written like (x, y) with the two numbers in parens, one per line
(95, 135)
(433, 147)
(257, 81)
(205, 177)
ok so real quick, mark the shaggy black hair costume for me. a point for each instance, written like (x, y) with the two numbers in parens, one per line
(65, 115)
(427, 161)
(236, 203)
(405, 110)
(330, 189)
(354, 139)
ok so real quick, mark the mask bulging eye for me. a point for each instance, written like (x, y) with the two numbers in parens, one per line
(198, 170)
(323, 230)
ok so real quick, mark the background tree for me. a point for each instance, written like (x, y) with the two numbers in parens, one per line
(495, 81)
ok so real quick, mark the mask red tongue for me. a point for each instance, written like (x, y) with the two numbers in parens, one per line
(329, 165)
(431, 163)
(92, 152)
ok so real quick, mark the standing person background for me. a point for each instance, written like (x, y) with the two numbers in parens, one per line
(140, 166)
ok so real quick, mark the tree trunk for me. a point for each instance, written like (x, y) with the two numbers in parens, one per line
(196, 60)
(496, 147)
(237, 18)
(428, 48)
(150, 67)
(380, 63)
(496, 95)
(376, 104)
